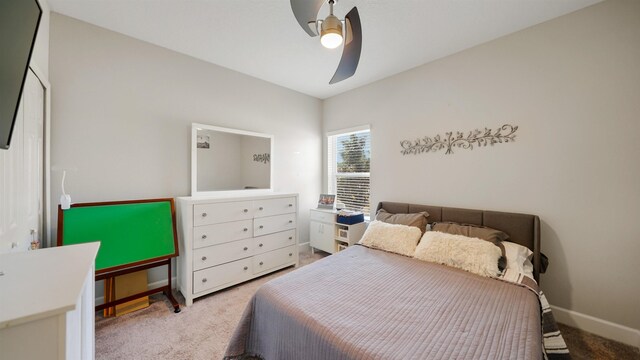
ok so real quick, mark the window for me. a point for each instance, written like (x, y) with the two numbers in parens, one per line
(349, 158)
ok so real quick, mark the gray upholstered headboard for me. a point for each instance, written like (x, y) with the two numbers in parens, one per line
(522, 229)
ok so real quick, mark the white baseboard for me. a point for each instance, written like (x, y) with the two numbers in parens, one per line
(304, 247)
(594, 325)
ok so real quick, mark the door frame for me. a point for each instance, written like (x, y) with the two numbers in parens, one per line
(46, 157)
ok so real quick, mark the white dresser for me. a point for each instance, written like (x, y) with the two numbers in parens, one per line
(226, 241)
(47, 306)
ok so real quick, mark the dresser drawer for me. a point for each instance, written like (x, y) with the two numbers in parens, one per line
(220, 254)
(322, 216)
(274, 241)
(222, 233)
(272, 224)
(275, 258)
(205, 214)
(220, 275)
(271, 207)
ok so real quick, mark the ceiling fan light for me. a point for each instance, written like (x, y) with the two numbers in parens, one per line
(331, 40)
(331, 32)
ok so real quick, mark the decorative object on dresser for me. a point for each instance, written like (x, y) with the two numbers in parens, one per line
(449, 141)
(47, 301)
(328, 235)
(326, 201)
(225, 241)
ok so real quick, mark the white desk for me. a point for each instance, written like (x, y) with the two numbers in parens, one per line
(47, 303)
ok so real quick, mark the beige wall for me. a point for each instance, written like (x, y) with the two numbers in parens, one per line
(122, 112)
(40, 56)
(573, 86)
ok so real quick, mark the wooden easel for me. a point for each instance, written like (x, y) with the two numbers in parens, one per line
(146, 259)
(166, 290)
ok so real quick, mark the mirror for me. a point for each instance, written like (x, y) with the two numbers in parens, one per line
(229, 160)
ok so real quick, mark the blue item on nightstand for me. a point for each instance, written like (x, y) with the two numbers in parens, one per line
(350, 220)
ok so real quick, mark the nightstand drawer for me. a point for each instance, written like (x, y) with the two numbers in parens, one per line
(220, 275)
(219, 254)
(222, 233)
(272, 224)
(205, 214)
(275, 258)
(322, 216)
(274, 241)
(271, 207)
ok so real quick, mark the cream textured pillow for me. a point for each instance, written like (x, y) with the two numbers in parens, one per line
(399, 239)
(470, 254)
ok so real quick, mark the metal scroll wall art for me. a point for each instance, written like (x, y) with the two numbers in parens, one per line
(503, 134)
(263, 158)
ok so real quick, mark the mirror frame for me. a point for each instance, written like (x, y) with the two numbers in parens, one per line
(194, 161)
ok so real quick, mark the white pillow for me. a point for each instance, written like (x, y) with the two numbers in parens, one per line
(518, 258)
(471, 254)
(399, 239)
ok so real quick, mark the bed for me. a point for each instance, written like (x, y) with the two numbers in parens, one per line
(365, 303)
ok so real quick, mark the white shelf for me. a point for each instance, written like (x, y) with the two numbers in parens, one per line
(328, 235)
(48, 292)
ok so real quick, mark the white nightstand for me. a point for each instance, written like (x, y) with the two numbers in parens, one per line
(330, 236)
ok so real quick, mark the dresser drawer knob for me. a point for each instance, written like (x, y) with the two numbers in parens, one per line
(290, 237)
(204, 280)
(261, 227)
(204, 236)
(261, 263)
(246, 268)
(290, 254)
(204, 214)
(246, 210)
(290, 221)
(290, 205)
(246, 248)
(245, 229)
(204, 258)
(260, 245)
(260, 208)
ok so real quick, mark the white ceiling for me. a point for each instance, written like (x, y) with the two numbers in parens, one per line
(261, 38)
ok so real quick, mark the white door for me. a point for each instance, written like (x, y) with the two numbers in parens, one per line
(33, 154)
(21, 177)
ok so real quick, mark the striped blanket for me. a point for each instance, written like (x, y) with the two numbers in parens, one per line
(554, 346)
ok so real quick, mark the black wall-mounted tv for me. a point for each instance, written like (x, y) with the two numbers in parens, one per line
(19, 21)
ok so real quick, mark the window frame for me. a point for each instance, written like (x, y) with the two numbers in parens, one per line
(332, 159)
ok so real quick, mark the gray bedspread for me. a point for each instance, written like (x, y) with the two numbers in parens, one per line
(369, 304)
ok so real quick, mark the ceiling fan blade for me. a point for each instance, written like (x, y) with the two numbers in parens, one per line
(352, 47)
(305, 12)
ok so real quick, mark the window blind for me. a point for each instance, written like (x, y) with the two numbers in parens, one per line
(349, 160)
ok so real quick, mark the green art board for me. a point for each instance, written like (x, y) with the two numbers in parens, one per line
(129, 233)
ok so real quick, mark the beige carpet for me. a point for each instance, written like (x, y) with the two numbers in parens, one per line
(202, 330)
(584, 345)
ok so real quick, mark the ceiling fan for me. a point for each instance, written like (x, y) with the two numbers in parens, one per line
(333, 33)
